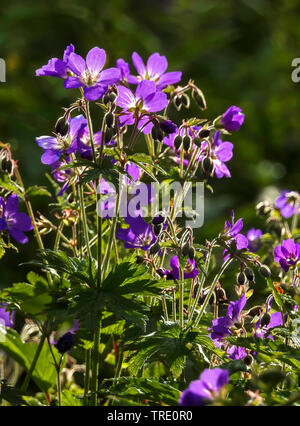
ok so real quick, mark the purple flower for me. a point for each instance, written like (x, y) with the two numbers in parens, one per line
(265, 331)
(207, 388)
(221, 326)
(57, 67)
(232, 232)
(236, 352)
(190, 270)
(124, 69)
(288, 254)
(138, 235)
(233, 119)
(220, 153)
(89, 74)
(5, 318)
(54, 147)
(147, 99)
(61, 176)
(153, 71)
(66, 342)
(286, 203)
(14, 222)
(253, 236)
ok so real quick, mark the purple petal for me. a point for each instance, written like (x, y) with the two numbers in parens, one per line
(156, 65)
(76, 63)
(93, 93)
(138, 64)
(95, 59)
(73, 83)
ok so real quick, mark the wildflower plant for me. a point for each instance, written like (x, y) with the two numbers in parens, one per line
(126, 296)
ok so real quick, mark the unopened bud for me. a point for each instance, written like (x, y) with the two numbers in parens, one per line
(241, 278)
(109, 133)
(265, 271)
(197, 141)
(207, 165)
(191, 253)
(248, 360)
(177, 142)
(186, 142)
(61, 126)
(154, 249)
(109, 119)
(204, 133)
(157, 133)
(178, 102)
(157, 229)
(185, 101)
(185, 250)
(255, 311)
(249, 274)
(265, 319)
(199, 98)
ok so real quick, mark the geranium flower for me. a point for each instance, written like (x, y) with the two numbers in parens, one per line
(288, 254)
(54, 147)
(221, 326)
(253, 236)
(12, 221)
(265, 331)
(286, 203)
(147, 99)
(6, 319)
(57, 67)
(124, 69)
(154, 71)
(190, 270)
(207, 388)
(138, 235)
(233, 119)
(232, 232)
(89, 75)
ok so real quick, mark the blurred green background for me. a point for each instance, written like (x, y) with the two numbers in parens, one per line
(238, 51)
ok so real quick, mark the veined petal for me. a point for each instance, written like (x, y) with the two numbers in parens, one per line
(156, 65)
(93, 93)
(72, 83)
(110, 76)
(95, 59)
(158, 102)
(12, 204)
(139, 64)
(169, 78)
(126, 98)
(76, 63)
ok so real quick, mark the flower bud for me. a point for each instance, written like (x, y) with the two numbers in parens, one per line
(61, 126)
(197, 141)
(185, 250)
(199, 98)
(109, 119)
(249, 274)
(157, 229)
(154, 248)
(177, 142)
(112, 97)
(191, 253)
(241, 278)
(255, 311)
(265, 271)
(248, 360)
(265, 319)
(204, 133)
(177, 102)
(185, 101)
(157, 133)
(186, 142)
(207, 165)
(109, 133)
(106, 98)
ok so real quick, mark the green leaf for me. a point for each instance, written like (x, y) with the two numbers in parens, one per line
(35, 190)
(44, 374)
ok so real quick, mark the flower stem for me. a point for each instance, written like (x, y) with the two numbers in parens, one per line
(33, 364)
